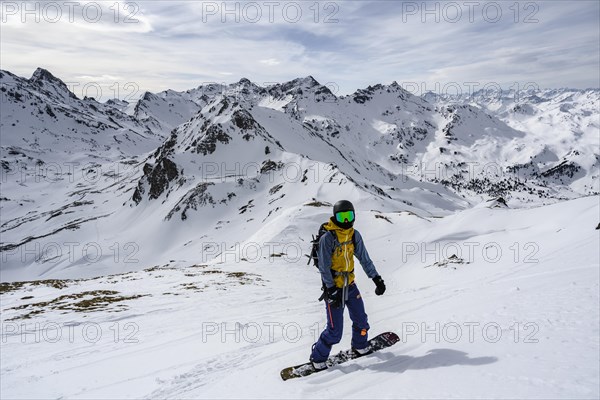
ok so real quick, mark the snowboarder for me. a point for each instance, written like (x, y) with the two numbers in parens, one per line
(337, 248)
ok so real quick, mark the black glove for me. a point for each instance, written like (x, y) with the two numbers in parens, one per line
(334, 296)
(380, 289)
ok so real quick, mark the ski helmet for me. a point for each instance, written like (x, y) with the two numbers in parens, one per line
(343, 214)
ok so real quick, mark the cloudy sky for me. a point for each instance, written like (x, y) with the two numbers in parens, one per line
(440, 46)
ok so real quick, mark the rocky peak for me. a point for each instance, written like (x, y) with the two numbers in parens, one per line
(299, 84)
(42, 77)
(42, 74)
(148, 96)
(362, 96)
(310, 81)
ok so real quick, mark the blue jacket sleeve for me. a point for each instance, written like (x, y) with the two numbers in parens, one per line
(360, 251)
(325, 252)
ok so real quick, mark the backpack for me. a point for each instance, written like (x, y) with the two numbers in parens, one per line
(314, 252)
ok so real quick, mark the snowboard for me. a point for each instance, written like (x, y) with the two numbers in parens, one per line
(377, 343)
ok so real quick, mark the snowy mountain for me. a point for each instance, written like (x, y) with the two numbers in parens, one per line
(562, 132)
(220, 162)
(42, 118)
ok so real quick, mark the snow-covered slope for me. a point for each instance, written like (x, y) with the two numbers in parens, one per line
(490, 302)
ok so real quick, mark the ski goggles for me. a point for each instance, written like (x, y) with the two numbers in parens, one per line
(344, 216)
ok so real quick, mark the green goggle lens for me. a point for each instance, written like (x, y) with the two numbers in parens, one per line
(342, 216)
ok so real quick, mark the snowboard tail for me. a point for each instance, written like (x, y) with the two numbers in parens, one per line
(377, 343)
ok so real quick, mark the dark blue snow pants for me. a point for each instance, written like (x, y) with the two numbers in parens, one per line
(335, 325)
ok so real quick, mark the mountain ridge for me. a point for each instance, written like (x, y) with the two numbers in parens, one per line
(235, 158)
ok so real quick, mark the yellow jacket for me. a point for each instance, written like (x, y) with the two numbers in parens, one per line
(342, 257)
(337, 249)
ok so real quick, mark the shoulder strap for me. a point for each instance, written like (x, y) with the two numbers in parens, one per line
(322, 229)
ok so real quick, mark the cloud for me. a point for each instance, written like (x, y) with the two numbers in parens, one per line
(100, 78)
(270, 61)
(181, 44)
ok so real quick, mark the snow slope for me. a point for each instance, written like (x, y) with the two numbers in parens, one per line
(224, 329)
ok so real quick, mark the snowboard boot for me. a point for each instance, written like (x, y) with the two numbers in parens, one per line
(318, 366)
(362, 352)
